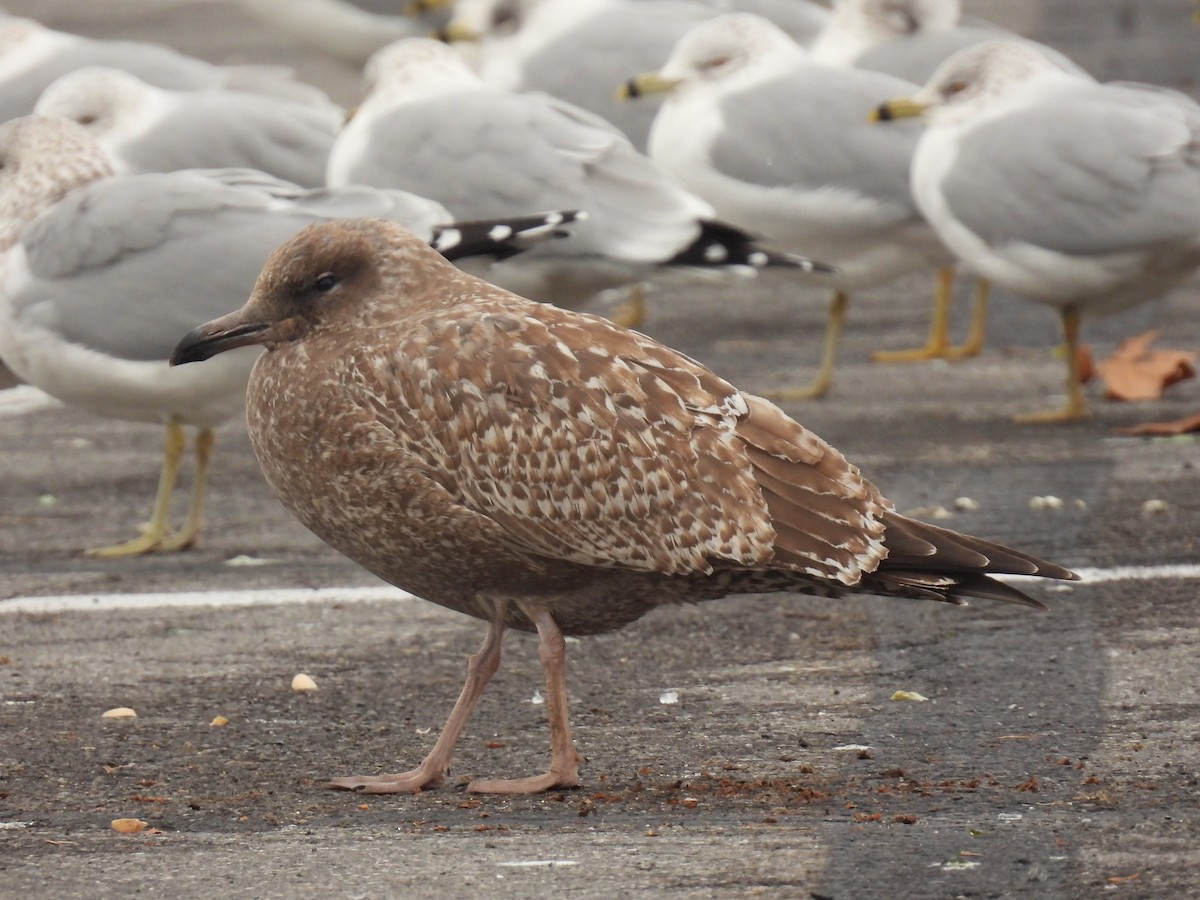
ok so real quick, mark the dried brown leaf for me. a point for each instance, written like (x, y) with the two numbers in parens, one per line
(1136, 371)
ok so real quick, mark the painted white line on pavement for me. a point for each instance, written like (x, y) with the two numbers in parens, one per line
(1088, 575)
(281, 596)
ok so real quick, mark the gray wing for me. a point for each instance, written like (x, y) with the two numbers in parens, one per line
(1101, 170)
(490, 155)
(208, 129)
(127, 265)
(810, 129)
(418, 214)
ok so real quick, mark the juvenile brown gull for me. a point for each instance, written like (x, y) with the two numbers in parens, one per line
(546, 470)
(101, 273)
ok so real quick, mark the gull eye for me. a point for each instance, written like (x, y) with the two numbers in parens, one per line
(86, 120)
(325, 282)
(954, 87)
(714, 63)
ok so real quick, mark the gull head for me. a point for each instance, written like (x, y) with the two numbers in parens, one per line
(972, 81)
(43, 159)
(101, 99)
(416, 67)
(727, 50)
(343, 276)
(873, 21)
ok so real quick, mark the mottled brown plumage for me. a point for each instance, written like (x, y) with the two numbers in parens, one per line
(546, 470)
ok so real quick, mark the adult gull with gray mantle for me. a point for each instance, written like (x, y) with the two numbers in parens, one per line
(144, 128)
(1079, 195)
(780, 144)
(101, 273)
(599, 42)
(546, 470)
(32, 57)
(429, 124)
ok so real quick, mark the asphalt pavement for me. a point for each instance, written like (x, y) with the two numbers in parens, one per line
(747, 747)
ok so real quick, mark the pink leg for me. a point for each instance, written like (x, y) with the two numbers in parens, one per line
(433, 769)
(564, 761)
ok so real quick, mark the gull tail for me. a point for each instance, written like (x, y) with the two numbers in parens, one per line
(720, 245)
(501, 238)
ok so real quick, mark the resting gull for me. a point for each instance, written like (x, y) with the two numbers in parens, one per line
(430, 125)
(546, 470)
(33, 56)
(780, 144)
(148, 129)
(102, 273)
(1079, 195)
(598, 42)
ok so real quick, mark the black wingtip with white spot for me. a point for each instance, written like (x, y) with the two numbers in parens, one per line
(502, 238)
(720, 245)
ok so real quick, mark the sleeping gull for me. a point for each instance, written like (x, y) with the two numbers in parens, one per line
(598, 42)
(33, 56)
(1079, 195)
(148, 129)
(430, 125)
(101, 273)
(546, 470)
(781, 145)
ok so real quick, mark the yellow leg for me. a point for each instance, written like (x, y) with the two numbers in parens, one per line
(188, 535)
(833, 335)
(154, 531)
(632, 313)
(973, 345)
(1076, 406)
(938, 344)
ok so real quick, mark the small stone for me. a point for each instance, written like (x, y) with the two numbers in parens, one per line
(129, 826)
(303, 683)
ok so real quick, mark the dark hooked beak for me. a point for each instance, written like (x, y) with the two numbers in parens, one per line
(217, 336)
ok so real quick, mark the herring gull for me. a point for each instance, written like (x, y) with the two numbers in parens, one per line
(33, 56)
(101, 273)
(546, 470)
(429, 124)
(144, 128)
(1082, 196)
(780, 144)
